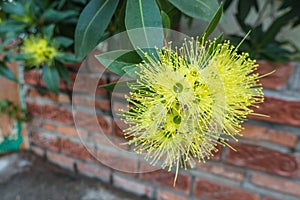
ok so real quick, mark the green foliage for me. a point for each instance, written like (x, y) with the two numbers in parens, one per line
(92, 23)
(263, 42)
(137, 14)
(88, 22)
(54, 21)
(124, 62)
(12, 110)
(115, 61)
(145, 32)
(199, 9)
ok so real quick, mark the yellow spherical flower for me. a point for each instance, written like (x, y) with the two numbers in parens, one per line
(189, 101)
(38, 51)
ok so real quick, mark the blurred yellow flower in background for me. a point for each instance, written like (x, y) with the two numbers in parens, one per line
(38, 51)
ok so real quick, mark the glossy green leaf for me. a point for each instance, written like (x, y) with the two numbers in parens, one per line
(213, 23)
(91, 25)
(200, 9)
(144, 25)
(51, 78)
(115, 61)
(7, 73)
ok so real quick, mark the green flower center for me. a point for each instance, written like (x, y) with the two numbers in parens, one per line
(177, 119)
(178, 87)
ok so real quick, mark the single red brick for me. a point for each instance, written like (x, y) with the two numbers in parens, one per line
(60, 159)
(214, 191)
(93, 123)
(270, 135)
(279, 77)
(222, 170)
(132, 186)
(280, 111)
(262, 159)
(49, 127)
(46, 140)
(166, 195)
(118, 162)
(93, 171)
(50, 112)
(71, 131)
(166, 179)
(279, 185)
(76, 150)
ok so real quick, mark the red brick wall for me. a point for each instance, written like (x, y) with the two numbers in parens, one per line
(266, 165)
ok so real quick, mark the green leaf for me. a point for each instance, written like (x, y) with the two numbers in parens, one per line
(64, 41)
(63, 72)
(14, 8)
(120, 86)
(7, 73)
(67, 57)
(212, 48)
(91, 25)
(165, 20)
(213, 23)
(51, 78)
(200, 9)
(51, 15)
(144, 25)
(115, 61)
(274, 29)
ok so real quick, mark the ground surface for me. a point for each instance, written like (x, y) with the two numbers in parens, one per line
(24, 176)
